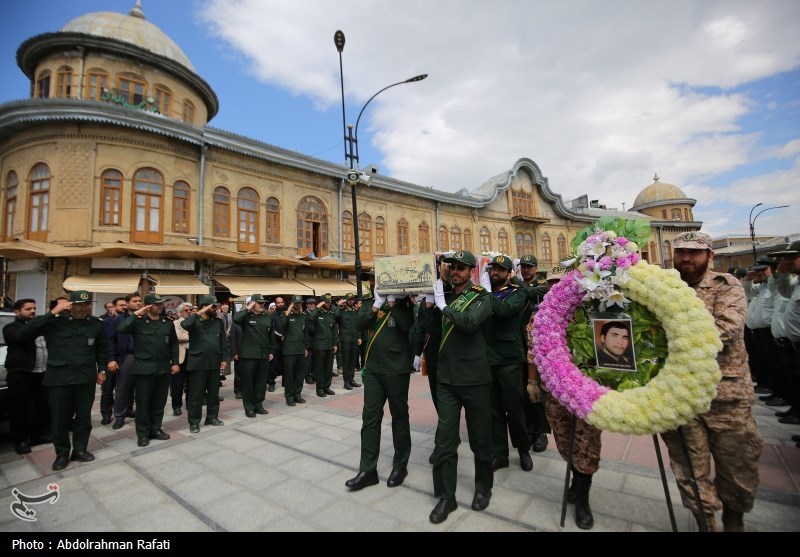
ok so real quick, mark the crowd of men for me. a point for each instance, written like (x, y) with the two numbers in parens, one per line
(472, 341)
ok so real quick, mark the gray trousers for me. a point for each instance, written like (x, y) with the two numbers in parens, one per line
(123, 395)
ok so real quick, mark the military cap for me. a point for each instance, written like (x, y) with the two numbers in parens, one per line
(326, 297)
(153, 298)
(789, 250)
(693, 240)
(503, 262)
(366, 275)
(758, 267)
(738, 272)
(349, 296)
(556, 273)
(311, 301)
(529, 260)
(297, 299)
(80, 297)
(258, 298)
(463, 256)
(767, 261)
(207, 301)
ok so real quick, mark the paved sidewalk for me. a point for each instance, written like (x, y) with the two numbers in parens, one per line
(286, 472)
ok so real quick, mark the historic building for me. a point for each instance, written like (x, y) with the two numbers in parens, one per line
(111, 180)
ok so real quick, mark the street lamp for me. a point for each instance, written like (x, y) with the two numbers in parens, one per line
(351, 152)
(752, 220)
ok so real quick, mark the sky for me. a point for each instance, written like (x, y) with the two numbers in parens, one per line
(601, 95)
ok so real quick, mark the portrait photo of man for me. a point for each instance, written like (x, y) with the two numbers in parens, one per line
(614, 344)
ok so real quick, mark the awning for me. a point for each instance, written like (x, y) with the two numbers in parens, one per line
(244, 286)
(107, 284)
(334, 287)
(179, 284)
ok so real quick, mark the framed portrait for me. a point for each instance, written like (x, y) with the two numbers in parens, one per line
(613, 344)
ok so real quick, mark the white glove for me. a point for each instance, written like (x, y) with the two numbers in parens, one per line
(486, 281)
(378, 300)
(417, 363)
(438, 294)
(390, 298)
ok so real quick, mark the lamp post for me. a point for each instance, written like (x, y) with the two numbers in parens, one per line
(351, 152)
(752, 220)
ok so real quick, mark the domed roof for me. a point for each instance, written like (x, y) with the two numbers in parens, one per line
(659, 191)
(131, 28)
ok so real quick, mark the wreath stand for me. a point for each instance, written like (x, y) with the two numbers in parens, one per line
(703, 525)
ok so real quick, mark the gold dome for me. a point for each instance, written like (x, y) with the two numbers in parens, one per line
(659, 191)
(131, 28)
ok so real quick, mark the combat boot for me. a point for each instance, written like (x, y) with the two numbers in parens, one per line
(711, 521)
(583, 513)
(732, 521)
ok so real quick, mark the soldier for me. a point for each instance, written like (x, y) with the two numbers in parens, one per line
(77, 357)
(727, 432)
(206, 359)
(322, 326)
(506, 354)
(311, 305)
(155, 358)
(258, 345)
(788, 287)
(758, 322)
(350, 340)
(464, 380)
(276, 365)
(387, 375)
(293, 325)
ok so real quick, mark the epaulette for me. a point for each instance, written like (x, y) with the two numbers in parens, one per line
(514, 285)
(478, 288)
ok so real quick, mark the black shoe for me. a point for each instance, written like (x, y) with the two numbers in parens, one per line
(540, 443)
(106, 420)
(583, 516)
(214, 421)
(261, 410)
(309, 380)
(778, 401)
(321, 394)
(82, 456)
(790, 419)
(355, 384)
(782, 413)
(348, 387)
(237, 396)
(397, 477)
(220, 398)
(118, 423)
(329, 392)
(130, 414)
(442, 509)
(432, 457)
(300, 400)
(525, 461)
(194, 428)
(362, 480)
(61, 462)
(290, 402)
(271, 387)
(763, 390)
(143, 441)
(499, 462)
(250, 414)
(176, 411)
(481, 500)
(796, 438)
(22, 447)
(159, 435)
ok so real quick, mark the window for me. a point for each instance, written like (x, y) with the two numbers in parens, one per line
(443, 238)
(163, 99)
(39, 202)
(664, 214)
(547, 248)
(402, 237)
(502, 240)
(273, 220)
(676, 214)
(247, 217)
(667, 254)
(686, 214)
(522, 203)
(96, 81)
(365, 235)
(380, 235)
(467, 239)
(561, 244)
(312, 227)
(180, 207)
(148, 191)
(486, 240)
(424, 238)
(64, 82)
(188, 112)
(455, 238)
(524, 243)
(12, 182)
(110, 197)
(131, 89)
(347, 230)
(653, 253)
(222, 212)
(43, 85)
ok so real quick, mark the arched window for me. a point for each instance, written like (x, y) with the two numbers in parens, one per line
(402, 237)
(486, 240)
(653, 252)
(96, 81)
(248, 219)
(664, 214)
(64, 82)
(521, 203)
(455, 238)
(222, 212)
(188, 112)
(686, 215)
(273, 220)
(524, 243)
(39, 202)
(547, 249)
(424, 238)
(43, 85)
(443, 238)
(667, 254)
(676, 214)
(12, 183)
(380, 235)
(365, 236)
(148, 191)
(312, 227)
(110, 197)
(181, 197)
(163, 99)
(467, 239)
(347, 230)
(131, 88)
(502, 241)
(561, 245)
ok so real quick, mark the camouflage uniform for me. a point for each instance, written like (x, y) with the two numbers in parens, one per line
(586, 452)
(727, 431)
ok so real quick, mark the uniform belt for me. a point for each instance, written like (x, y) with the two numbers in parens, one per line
(783, 342)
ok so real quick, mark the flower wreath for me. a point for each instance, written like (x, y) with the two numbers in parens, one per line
(608, 269)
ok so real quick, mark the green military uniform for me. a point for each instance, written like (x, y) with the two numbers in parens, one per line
(387, 373)
(349, 333)
(293, 326)
(323, 326)
(258, 344)
(77, 351)
(155, 351)
(208, 348)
